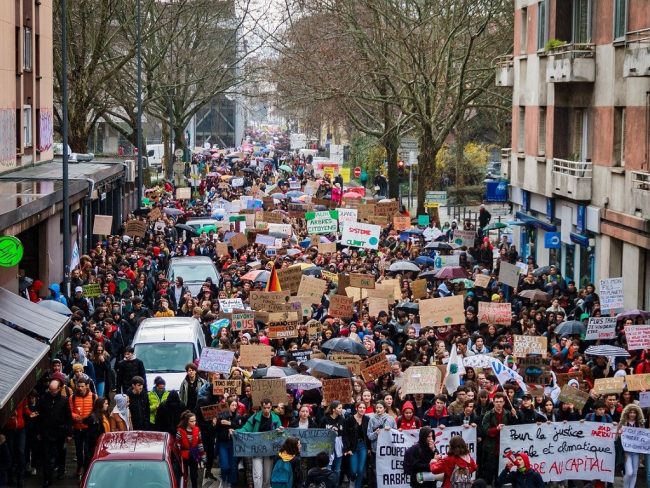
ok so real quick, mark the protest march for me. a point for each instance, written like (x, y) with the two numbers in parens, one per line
(287, 326)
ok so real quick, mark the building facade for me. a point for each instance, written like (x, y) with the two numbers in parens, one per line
(579, 164)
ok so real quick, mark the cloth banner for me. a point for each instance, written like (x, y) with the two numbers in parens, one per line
(392, 445)
(263, 444)
(563, 451)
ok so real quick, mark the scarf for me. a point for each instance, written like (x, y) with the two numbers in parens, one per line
(122, 409)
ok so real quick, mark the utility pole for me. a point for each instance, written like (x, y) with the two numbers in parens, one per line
(138, 36)
(64, 130)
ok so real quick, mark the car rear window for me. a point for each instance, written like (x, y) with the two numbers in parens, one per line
(127, 474)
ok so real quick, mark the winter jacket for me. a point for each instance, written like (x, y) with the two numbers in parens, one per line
(322, 477)
(492, 434)
(223, 431)
(417, 459)
(17, 420)
(155, 400)
(126, 370)
(295, 466)
(56, 295)
(169, 413)
(190, 441)
(80, 408)
(183, 391)
(54, 421)
(435, 419)
(528, 478)
(378, 422)
(253, 423)
(448, 464)
(139, 408)
(351, 433)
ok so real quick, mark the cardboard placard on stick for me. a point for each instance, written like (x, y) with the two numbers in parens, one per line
(401, 223)
(102, 225)
(524, 345)
(136, 228)
(638, 382)
(439, 312)
(312, 289)
(376, 305)
(252, 355)
(337, 389)
(509, 274)
(242, 320)
(222, 249)
(359, 280)
(210, 411)
(271, 301)
(481, 281)
(239, 240)
(374, 367)
(274, 389)
(343, 281)
(421, 379)
(494, 313)
(351, 361)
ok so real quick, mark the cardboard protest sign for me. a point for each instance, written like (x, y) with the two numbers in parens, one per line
(222, 249)
(376, 305)
(136, 228)
(242, 320)
(421, 379)
(508, 274)
(611, 294)
(638, 382)
(311, 289)
(347, 214)
(252, 355)
(270, 217)
(326, 247)
(577, 397)
(341, 306)
(226, 387)
(239, 240)
(401, 223)
(524, 345)
(342, 281)
(481, 281)
(387, 209)
(382, 291)
(155, 214)
(419, 288)
(464, 238)
(638, 337)
(92, 290)
(184, 193)
(565, 458)
(601, 328)
(290, 278)
(603, 386)
(270, 301)
(271, 388)
(351, 361)
(374, 367)
(494, 313)
(102, 225)
(440, 312)
(359, 280)
(216, 360)
(337, 389)
(210, 411)
(282, 325)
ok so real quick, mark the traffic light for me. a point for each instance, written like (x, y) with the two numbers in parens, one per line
(400, 167)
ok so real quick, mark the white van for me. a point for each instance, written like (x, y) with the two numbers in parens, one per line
(155, 154)
(165, 345)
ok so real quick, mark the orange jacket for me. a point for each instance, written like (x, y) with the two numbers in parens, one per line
(80, 408)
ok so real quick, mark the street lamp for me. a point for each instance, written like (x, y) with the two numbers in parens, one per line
(138, 44)
(64, 131)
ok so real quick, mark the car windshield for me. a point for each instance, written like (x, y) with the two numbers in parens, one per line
(194, 273)
(126, 474)
(165, 357)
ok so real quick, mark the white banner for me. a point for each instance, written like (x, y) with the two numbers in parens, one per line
(356, 234)
(636, 440)
(563, 451)
(392, 445)
(601, 328)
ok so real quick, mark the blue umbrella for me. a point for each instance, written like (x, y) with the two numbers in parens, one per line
(279, 196)
(414, 231)
(424, 261)
(295, 193)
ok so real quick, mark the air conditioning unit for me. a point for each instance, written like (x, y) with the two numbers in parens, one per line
(130, 170)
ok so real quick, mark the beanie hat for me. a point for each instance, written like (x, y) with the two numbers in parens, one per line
(77, 367)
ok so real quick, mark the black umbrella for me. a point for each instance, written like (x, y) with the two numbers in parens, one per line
(141, 212)
(263, 372)
(249, 170)
(344, 344)
(429, 275)
(439, 245)
(328, 368)
(408, 307)
(314, 271)
(540, 271)
(190, 230)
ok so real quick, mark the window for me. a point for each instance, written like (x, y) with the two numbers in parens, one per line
(521, 134)
(37, 54)
(27, 126)
(578, 135)
(620, 19)
(541, 138)
(619, 137)
(524, 30)
(581, 21)
(27, 49)
(542, 25)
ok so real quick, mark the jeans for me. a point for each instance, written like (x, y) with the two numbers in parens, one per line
(262, 468)
(53, 458)
(336, 464)
(83, 449)
(100, 388)
(16, 443)
(227, 462)
(631, 468)
(191, 467)
(358, 464)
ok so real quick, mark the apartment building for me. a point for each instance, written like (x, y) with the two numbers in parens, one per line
(579, 164)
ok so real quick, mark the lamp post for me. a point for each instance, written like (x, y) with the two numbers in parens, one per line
(64, 131)
(138, 41)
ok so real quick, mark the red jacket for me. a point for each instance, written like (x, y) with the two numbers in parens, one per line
(184, 443)
(17, 420)
(447, 464)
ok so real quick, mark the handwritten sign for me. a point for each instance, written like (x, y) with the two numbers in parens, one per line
(355, 234)
(311, 289)
(102, 225)
(401, 223)
(337, 389)
(421, 379)
(271, 301)
(509, 274)
(494, 313)
(558, 450)
(272, 388)
(387, 209)
(464, 238)
(638, 337)
(577, 397)
(347, 214)
(268, 444)
(326, 247)
(183, 193)
(229, 304)
(252, 355)
(376, 305)
(374, 367)
(325, 222)
(242, 321)
(524, 345)
(226, 387)
(602, 386)
(611, 294)
(419, 288)
(341, 306)
(216, 360)
(638, 382)
(441, 312)
(239, 240)
(359, 280)
(635, 439)
(264, 240)
(350, 361)
(136, 228)
(210, 411)
(481, 281)
(282, 325)
(601, 328)
(92, 290)
(222, 249)
(290, 278)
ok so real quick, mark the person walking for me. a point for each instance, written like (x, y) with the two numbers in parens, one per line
(190, 387)
(120, 418)
(379, 421)
(190, 445)
(54, 425)
(81, 406)
(138, 404)
(156, 397)
(169, 413)
(286, 470)
(355, 444)
(333, 420)
(127, 368)
(226, 423)
(632, 416)
(417, 460)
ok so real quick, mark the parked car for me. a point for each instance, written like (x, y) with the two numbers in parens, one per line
(135, 458)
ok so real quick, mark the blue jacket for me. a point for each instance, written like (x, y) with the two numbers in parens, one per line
(56, 294)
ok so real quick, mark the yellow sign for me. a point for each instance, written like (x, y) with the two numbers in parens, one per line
(328, 171)
(345, 173)
(431, 205)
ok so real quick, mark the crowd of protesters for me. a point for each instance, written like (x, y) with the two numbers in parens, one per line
(96, 383)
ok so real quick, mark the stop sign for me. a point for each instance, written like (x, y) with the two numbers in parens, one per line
(357, 172)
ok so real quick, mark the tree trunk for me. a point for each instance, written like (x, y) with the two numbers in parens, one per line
(78, 133)
(391, 144)
(168, 165)
(428, 174)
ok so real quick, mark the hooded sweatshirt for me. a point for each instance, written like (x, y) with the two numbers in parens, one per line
(447, 464)
(408, 424)
(55, 290)
(379, 422)
(525, 477)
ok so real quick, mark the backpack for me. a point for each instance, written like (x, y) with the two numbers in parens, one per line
(461, 477)
(282, 475)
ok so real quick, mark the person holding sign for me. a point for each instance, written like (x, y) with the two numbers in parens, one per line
(355, 443)
(632, 416)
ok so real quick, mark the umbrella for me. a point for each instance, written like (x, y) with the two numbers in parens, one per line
(415, 231)
(273, 372)
(24, 282)
(313, 271)
(408, 307)
(249, 170)
(54, 306)
(328, 368)
(495, 226)
(439, 245)
(302, 382)
(451, 272)
(607, 350)
(633, 314)
(141, 212)
(293, 252)
(172, 211)
(465, 282)
(286, 168)
(255, 275)
(295, 193)
(190, 230)
(424, 261)
(428, 274)
(540, 271)
(399, 266)
(351, 194)
(344, 344)
(279, 196)
(535, 295)
(570, 327)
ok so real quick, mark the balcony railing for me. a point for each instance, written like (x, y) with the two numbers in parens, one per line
(572, 179)
(572, 63)
(641, 180)
(637, 53)
(641, 192)
(505, 71)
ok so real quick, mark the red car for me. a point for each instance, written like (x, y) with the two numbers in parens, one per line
(136, 458)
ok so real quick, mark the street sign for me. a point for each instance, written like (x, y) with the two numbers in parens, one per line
(357, 172)
(178, 153)
(406, 145)
(439, 197)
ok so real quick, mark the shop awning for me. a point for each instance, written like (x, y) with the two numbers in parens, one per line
(535, 222)
(37, 322)
(23, 360)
